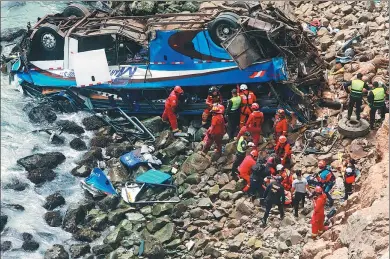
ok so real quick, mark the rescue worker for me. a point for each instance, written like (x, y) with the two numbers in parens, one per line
(327, 179)
(376, 98)
(245, 168)
(270, 166)
(233, 114)
(318, 217)
(349, 179)
(274, 195)
(355, 88)
(171, 105)
(283, 151)
(216, 130)
(259, 172)
(299, 189)
(214, 96)
(247, 98)
(280, 124)
(287, 177)
(253, 124)
(242, 146)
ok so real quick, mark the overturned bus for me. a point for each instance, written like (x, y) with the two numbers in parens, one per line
(98, 60)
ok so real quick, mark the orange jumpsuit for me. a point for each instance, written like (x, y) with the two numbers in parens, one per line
(287, 180)
(215, 133)
(245, 170)
(253, 125)
(318, 217)
(283, 151)
(280, 128)
(169, 112)
(209, 102)
(247, 98)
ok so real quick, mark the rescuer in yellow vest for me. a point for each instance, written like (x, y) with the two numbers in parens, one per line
(356, 88)
(376, 98)
(233, 114)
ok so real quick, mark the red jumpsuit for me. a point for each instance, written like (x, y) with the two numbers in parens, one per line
(253, 125)
(287, 180)
(283, 151)
(209, 102)
(280, 128)
(169, 112)
(215, 133)
(247, 98)
(318, 217)
(245, 170)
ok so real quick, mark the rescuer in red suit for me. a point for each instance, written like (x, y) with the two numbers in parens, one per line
(171, 104)
(253, 124)
(247, 98)
(245, 169)
(318, 217)
(216, 131)
(280, 125)
(213, 97)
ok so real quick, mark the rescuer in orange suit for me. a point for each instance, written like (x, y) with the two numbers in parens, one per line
(253, 125)
(171, 104)
(283, 150)
(213, 97)
(245, 169)
(318, 217)
(280, 125)
(216, 131)
(247, 98)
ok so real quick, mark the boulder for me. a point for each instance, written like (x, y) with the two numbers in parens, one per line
(347, 9)
(154, 124)
(5, 246)
(101, 141)
(164, 139)
(309, 160)
(102, 249)
(78, 144)
(118, 215)
(86, 235)
(14, 206)
(53, 201)
(82, 171)
(91, 156)
(205, 203)
(53, 218)
(73, 217)
(135, 217)
(118, 149)
(213, 252)
(108, 203)
(30, 245)
(115, 237)
(42, 113)
(193, 179)
(48, 160)
(41, 175)
(157, 224)
(177, 147)
(93, 123)
(78, 250)
(165, 234)
(162, 209)
(3, 221)
(153, 248)
(245, 208)
(195, 164)
(70, 127)
(99, 222)
(357, 147)
(56, 252)
(213, 191)
(325, 42)
(117, 172)
(11, 34)
(15, 184)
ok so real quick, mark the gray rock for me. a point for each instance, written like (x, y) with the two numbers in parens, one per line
(102, 249)
(82, 171)
(309, 160)
(56, 252)
(101, 141)
(5, 246)
(117, 172)
(78, 250)
(165, 233)
(115, 237)
(86, 235)
(195, 164)
(53, 218)
(70, 127)
(93, 123)
(11, 34)
(295, 238)
(230, 187)
(245, 208)
(43, 113)
(15, 184)
(193, 179)
(135, 217)
(13, 206)
(53, 201)
(118, 149)
(165, 139)
(118, 215)
(224, 195)
(213, 191)
(173, 244)
(205, 203)
(154, 124)
(30, 245)
(347, 9)
(258, 254)
(162, 209)
(41, 175)
(210, 250)
(48, 160)
(108, 203)
(153, 248)
(197, 213)
(3, 221)
(73, 217)
(91, 156)
(78, 144)
(282, 247)
(177, 147)
(156, 224)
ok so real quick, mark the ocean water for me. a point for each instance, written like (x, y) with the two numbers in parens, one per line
(17, 141)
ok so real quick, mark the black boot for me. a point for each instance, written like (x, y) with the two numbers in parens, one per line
(263, 223)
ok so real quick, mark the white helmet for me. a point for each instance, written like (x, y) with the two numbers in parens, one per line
(279, 167)
(348, 170)
(243, 87)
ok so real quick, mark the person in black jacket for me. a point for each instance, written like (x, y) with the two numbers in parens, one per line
(259, 172)
(274, 195)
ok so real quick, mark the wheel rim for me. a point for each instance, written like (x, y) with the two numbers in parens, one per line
(224, 31)
(48, 41)
(353, 123)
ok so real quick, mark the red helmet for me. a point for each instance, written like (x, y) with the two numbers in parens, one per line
(254, 154)
(318, 189)
(218, 108)
(282, 139)
(255, 106)
(321, 164)
(178, 90)
(281, 111)
(270, 160)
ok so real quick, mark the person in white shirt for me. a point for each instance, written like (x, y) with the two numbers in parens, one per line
(299, 188)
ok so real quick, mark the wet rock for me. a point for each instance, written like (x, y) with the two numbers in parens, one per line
(45, 160)
(30, 245)
(153, 248)
(5, 246)
(16, 185)
(81, 171)
(93, 123)
(86, 235)
(3, 221)
(165, 139)
(165, 233)
(174, 149)
(193, 179)
(102, 249)
(90, 157)
(162, 209)
(210, 250)
(78, 250)
(42, 113)
(53, 218)
(27, 236)
(73, 217)
(11, 34)
(108, 203)
(115, 237)
(99, 222)
(41, 175)
(78, 144)
(116, 150)
(56, 252)
(118, 215)
(70, 127)
(53, 201)
(117, 172)
(195, 164)
(100, 141)
(14, 206)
